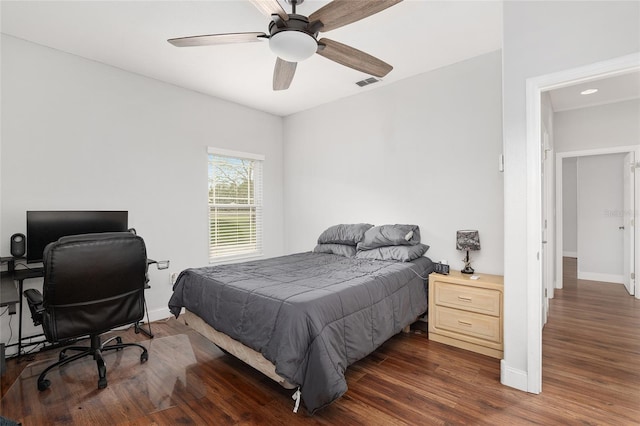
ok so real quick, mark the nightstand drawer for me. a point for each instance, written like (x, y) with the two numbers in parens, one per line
(475, 299)
(475, 325)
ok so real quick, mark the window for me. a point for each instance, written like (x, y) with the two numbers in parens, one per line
(235, 204)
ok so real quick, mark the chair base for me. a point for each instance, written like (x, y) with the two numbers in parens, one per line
(96, 349)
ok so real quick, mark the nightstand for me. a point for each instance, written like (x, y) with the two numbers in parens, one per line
(467, 313)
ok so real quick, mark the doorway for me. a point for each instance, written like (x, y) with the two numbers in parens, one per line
(602, 216)
(534, 196)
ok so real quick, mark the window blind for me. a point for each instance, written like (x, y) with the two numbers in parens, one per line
(235, 205)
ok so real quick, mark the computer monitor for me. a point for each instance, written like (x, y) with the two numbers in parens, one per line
(44, 227)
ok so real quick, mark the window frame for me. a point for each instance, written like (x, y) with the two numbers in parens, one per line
(257, 205)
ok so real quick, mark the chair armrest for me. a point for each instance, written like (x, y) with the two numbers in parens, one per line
(35, 302)
(34, 297)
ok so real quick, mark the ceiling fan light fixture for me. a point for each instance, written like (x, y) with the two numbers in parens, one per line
(293, 46)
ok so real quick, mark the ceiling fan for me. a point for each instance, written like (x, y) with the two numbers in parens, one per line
(293, 37)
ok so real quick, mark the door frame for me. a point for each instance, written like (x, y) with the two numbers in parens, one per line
(534, 88)
(548, 216)
(558, 201)
(630, 214)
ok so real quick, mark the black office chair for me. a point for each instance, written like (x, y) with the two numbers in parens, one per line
(92, 284)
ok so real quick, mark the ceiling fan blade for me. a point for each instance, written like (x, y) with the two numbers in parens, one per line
(342, 12)
(211, 39)
(283, 74)
(270, 7)
(352, 58)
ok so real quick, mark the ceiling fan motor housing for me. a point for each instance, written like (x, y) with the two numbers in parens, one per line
(292, 40)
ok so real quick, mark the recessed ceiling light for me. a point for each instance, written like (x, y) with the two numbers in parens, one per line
(589, 92)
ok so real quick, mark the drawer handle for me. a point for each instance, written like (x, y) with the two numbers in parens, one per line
(468, 324)
(464, 298)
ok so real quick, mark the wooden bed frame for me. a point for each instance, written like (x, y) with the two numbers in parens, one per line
(237, 349)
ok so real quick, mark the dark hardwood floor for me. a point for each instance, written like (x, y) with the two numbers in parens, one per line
(591, 376)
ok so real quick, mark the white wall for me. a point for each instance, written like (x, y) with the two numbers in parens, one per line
(600, 203)
(598, 127)
(77, 134)
(570, 207)
(604, 126)
(543, 37)
(421, 151)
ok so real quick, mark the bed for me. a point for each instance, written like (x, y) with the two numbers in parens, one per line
(302, 319)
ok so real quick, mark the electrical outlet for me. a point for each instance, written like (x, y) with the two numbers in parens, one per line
(173, 277)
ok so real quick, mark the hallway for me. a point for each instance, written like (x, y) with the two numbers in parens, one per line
(591, 347)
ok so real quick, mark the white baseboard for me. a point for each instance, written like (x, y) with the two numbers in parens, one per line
(573, 254)
(605, 278)
(159, 314)
(513, 377)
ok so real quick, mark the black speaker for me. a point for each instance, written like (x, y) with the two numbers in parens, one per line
(18, 244)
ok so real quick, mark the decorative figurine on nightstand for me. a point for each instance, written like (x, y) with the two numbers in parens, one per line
(467, 240)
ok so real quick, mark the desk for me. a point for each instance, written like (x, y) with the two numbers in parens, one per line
(8, 297)
(8, 294)
(20, 275)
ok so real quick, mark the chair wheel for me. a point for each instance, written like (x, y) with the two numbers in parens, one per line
(44, 384)
(102, 383)
(62, 356)
(144, 357)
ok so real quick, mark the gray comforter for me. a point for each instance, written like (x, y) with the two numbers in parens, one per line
(310, 314)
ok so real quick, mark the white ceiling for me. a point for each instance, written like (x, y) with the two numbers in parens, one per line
(612, 89)
(415, 36)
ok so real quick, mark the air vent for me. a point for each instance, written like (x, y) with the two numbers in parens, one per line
(367, 82)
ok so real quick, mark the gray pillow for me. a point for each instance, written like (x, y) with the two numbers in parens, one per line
(339, 249)
(344, 234)
(390, 235)
(397, 253)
